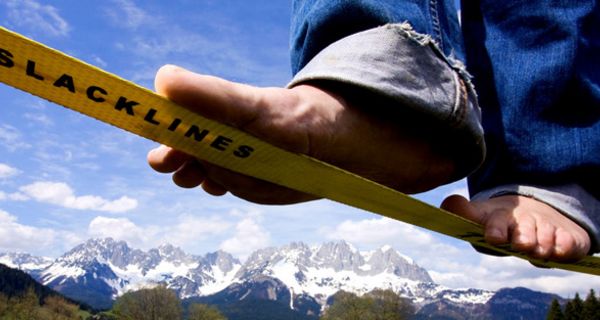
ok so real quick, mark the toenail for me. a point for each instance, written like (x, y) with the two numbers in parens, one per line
(495, 234)
(540, 251)
(559, 251)
(522, 239)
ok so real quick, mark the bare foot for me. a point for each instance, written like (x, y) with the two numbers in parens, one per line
(530, 226)
(305, 119)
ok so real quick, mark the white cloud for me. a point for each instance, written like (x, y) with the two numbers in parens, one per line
(186, 232)
(249, 236)
(39, 118)
(566, 285)
(127, 14)
(120, 205)
(455, 264)
(61, 194)
(120, 145)
(37, 104)
(16, 196)
(11, 138)
(190, 229)
(206, 51)
(18, 237)
(7, 171)
(376, 232)
(120, 229)
(494, 273)
(96, 60)
(37, 17)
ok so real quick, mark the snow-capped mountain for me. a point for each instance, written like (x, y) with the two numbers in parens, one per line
(25, 261)
(101, 269)
(322, 271)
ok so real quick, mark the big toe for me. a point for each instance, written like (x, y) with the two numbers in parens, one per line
(461, 206)
(215, 98)
(570, 246)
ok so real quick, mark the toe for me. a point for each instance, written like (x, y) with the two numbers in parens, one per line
(189, 175)
(462, 207)
(564, 245)
(524, 236)
(498, 227)
(213, 188)
(215, 98)
(570, 245)
(545, 240)
(166, 160)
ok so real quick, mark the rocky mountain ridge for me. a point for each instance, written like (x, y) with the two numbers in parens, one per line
(301, 276)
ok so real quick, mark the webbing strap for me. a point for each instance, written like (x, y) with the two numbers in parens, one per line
(52, 75)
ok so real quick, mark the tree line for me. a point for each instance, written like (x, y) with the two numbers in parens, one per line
(28, 306)
(157, 303)
(162, 303)
(376, 305)
(576, 309)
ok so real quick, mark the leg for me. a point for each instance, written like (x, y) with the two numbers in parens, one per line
(533, 66)
(390, 103)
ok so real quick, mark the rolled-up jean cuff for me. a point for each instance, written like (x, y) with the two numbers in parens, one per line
(571, 200)
(408, 70)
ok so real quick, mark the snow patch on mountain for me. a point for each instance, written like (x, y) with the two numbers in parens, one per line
(321, 271)
(462, 296)
(24, 261)
(125, 269)
(111, 268)
(55, 271)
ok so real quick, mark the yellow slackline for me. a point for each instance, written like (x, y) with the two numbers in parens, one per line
(52, 75)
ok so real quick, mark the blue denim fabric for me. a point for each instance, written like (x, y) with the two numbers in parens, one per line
(318, 23)
(536, 68)
(403, 54)
(537, 71)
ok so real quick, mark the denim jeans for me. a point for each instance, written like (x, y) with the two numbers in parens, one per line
(392, 52)
(535, 65)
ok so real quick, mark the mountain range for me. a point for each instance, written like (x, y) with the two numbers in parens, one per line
(299, 277)
(16, 283)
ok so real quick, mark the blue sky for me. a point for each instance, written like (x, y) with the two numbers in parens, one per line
(65, 178)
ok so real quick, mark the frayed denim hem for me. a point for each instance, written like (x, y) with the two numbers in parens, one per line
(408, 68)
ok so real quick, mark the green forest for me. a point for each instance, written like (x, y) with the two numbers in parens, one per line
(576, 308)
(162, 303)
(28, 306)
